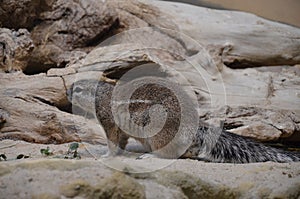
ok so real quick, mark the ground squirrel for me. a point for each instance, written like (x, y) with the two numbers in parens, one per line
(205, 143)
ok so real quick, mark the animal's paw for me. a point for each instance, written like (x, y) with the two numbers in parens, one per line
(109, 154)
(146, 155)
(113, 153)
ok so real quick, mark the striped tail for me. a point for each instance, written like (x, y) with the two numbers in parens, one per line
(217, 145)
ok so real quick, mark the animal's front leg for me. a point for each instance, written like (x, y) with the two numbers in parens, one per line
(116, 142)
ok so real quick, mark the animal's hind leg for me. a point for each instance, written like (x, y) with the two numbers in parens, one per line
(123, 140)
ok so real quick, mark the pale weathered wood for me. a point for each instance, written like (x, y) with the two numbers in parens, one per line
(200, 44)
(245, 39)
(29, 112)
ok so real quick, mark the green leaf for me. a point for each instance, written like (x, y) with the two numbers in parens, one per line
(46, 151)
(73, 146)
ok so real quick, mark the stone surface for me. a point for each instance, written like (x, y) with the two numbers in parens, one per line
(228, 30)
(15, 49)
(43, 177)
(260, 123)
(29, 112)
(23, 13)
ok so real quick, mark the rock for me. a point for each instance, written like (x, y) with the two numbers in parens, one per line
(60, 72)
(118, 185)
(259, 123)
(15, 49)
(244, 39)
(23, 13)
(194, 187)
(30, 107)
(180, 179)
(69, 27)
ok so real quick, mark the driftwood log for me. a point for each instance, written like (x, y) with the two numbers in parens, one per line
(244, 69)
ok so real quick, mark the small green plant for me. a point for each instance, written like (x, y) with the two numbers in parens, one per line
(74, 146)
(46, 152)
(2, 157)
(70, 154)
(72, 151)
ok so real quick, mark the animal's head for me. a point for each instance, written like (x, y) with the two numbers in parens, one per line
(82, 94)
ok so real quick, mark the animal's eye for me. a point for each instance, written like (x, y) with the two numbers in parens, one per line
(77, 89)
